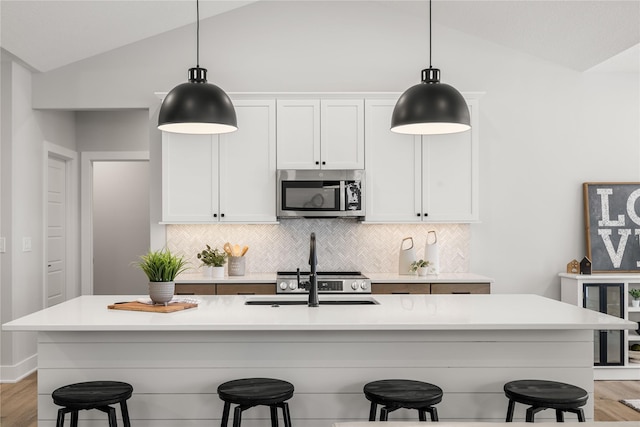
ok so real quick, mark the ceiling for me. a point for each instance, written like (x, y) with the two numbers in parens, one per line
(576, 34)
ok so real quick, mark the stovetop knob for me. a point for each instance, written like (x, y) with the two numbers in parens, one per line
(283, 285)
(292, 285)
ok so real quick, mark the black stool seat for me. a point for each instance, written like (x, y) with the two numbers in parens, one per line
(542, 394)
(250, 392)
(93, 395)
(396, 394)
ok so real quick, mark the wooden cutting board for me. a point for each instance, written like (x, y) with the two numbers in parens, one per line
(138, 306)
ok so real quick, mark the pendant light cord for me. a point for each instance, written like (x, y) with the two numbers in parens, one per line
(430, 32)
(197, 33)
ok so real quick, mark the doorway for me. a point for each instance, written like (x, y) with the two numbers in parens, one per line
(120, 226)
(115, 222)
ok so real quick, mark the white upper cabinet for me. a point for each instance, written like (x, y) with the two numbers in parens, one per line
(248, 165)
(189, 177)
(393, 168)
(225, 178)
(420, 179)
(320, 134)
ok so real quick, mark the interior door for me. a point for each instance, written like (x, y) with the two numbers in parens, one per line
(56, 232)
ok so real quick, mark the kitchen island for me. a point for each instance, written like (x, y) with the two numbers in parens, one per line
(469, 345)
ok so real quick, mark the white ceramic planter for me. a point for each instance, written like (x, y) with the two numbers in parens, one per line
(217, 272)
(207, 270)
(422, 271)
(161, 292)
(635, 303)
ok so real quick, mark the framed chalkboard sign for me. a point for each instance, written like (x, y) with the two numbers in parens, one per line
(612, 221)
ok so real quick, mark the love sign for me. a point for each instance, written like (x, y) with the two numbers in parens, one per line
(612, 220)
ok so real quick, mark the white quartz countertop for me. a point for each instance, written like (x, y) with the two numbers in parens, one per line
(394, 312)
(199, 277)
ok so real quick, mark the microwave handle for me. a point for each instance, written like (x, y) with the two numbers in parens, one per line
(343, 203)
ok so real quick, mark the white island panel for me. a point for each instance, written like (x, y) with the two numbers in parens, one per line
(470, 345)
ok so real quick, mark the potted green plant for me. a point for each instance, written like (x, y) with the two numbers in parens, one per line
(635, 295)
(420, 266)
(213, 261)
(161, 268)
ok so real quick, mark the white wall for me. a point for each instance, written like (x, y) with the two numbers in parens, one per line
(544, 129)
(24, 133)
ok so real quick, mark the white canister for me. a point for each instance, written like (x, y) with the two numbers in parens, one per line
(431, 253)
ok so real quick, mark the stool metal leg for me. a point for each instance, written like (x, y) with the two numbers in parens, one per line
(60, 421)
(422, 415)
(237, 416)
(125, 414)
(384, 414)
(74, 418)
(112, 417)
(559, 416)
(372, 411)
(286, 414)
(274, 415)
(512, 404)
(580, 413)
(225, 414)
(433, 412)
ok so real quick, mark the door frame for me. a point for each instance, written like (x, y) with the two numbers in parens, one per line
(70, 159)
(86, 208)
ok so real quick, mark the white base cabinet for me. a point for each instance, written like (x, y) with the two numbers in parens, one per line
(225, 178)
(419, 178)
(614, 298)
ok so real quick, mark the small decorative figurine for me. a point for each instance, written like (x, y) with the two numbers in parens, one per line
(573, 267)
(585, 266)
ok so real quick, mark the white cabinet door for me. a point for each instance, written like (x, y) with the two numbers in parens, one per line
(342, 134)
(450, 176)
(393, 168)
(248, 165)
(419, 179)
(189, 178)
(298, 133)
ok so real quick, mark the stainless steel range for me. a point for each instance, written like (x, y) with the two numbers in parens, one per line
(329, 282)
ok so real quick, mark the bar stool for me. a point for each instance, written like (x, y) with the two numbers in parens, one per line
(93, 395)
(541, 394)
(250, 392)
(396, 394)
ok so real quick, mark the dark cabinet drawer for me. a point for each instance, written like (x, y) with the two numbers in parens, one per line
(460, 288)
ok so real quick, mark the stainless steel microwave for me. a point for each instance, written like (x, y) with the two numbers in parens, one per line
(320, 193)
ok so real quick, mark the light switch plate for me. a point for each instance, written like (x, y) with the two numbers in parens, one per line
(26, 244)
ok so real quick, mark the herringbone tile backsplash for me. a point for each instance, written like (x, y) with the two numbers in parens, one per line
(342, 244)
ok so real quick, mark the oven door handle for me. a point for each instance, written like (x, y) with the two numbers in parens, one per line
(343, 203)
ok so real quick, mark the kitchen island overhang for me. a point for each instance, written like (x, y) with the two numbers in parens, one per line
(469, 345)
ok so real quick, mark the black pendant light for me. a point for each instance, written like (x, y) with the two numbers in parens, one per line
(430, 107)
(197, 107)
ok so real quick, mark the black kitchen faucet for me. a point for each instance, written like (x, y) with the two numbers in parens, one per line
(313, 279)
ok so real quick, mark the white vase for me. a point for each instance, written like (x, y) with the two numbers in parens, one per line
(635, 303)
(161, 292)
(217, 272)
(422, 271)
(207, 270)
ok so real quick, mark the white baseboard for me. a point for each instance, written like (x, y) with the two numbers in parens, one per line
(14, 373)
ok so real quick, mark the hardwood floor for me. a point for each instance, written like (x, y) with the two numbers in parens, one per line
(18, 403)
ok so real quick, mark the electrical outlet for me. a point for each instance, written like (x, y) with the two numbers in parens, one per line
(26, 244)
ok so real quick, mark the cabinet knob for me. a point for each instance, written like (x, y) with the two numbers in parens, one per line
(426, 214)
(324, 163)
(317, 163)
(222, 215)
(215, 215)
(418, 214)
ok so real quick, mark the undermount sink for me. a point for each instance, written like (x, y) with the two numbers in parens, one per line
(324, 300)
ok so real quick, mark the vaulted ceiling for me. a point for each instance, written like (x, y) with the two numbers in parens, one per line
(47, 34)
